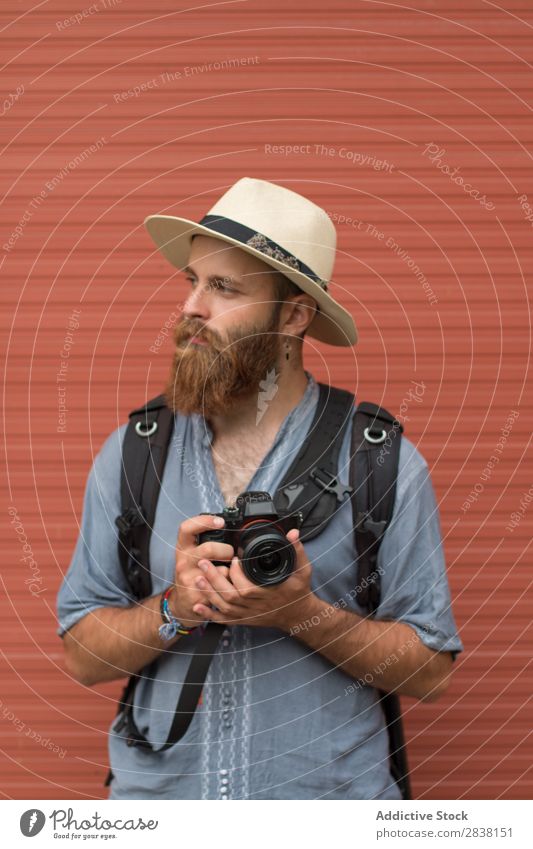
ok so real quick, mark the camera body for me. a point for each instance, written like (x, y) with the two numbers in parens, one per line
(256, 533)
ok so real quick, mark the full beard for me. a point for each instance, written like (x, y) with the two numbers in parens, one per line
(208, 379)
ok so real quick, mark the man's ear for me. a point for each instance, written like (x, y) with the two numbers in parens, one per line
(300, 312)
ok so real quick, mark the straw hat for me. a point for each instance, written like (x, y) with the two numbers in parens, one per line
(278, 226)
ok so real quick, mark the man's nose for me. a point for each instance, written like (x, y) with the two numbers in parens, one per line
(196, 305)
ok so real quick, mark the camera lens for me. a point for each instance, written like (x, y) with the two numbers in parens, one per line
(269, 558)
(266, 557)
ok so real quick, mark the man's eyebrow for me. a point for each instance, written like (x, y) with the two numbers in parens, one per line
(214, 277)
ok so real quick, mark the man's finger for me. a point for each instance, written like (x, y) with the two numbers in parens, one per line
(212, 596)
(242, 584)
(185, 580)
(219, 582)
(190, 528)
(302, 560)
(207, 613)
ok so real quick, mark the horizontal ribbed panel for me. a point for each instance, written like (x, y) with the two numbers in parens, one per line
(340, 103)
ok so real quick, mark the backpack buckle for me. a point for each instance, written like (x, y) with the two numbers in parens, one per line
(329, 483)
(365, 522)
(130, 518)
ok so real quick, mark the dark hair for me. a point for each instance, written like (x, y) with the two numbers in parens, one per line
(283, 290)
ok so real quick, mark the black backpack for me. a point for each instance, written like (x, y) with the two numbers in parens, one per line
(310, 486)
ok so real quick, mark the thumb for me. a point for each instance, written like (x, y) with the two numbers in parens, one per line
(294, 537)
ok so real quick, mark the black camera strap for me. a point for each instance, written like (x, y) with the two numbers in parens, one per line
(311, 486)
(189, 696)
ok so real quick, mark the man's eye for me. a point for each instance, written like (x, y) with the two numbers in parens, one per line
(221, 284)
(216, 284)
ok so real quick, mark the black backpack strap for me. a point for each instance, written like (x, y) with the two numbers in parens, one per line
(311, 485)
(144, 453)
(375, 451)
(399, 765)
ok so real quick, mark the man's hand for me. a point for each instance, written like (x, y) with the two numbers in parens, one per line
(390, 651)
(186, 594)
(241, 602)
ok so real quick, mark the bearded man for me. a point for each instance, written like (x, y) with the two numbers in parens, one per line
(286, 712)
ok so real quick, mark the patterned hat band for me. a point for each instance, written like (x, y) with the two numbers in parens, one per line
(228, 227)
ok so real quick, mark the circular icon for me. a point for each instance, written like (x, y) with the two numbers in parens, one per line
(32, 822)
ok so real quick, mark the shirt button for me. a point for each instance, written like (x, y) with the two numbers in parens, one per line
(224, 781)
(223, 772)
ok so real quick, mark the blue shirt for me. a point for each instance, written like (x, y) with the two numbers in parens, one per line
(277, 720)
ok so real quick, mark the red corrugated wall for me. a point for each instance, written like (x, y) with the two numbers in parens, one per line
(391, 105)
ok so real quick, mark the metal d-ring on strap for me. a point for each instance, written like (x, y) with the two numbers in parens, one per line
(151, 429)
(366, 434)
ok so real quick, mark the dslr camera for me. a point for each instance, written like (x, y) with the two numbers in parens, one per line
(257, 535)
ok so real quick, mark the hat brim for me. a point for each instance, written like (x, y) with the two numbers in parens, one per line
(332, 324)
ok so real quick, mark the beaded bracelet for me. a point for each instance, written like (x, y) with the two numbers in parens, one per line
(171, 626)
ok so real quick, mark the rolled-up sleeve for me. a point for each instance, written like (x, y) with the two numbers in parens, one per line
(94, 577)
(414, 583)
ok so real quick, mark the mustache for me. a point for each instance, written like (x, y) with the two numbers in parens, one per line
(186, 332)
